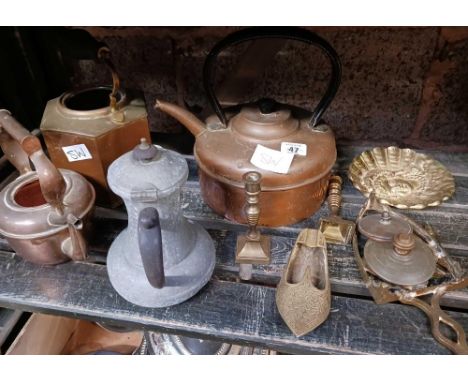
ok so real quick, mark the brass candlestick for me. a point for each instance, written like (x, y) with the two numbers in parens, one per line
(252, 247)
(335, 229)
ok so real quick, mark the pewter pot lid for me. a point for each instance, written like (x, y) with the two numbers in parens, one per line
(383, 227)
(407, 260)
(147, 170)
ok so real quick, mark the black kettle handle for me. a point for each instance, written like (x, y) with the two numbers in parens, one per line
(290, 33)
(150, 245)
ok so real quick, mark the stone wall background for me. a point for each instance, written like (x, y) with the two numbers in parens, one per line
(402, 85)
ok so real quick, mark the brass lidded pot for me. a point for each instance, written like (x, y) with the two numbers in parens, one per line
(227, 141)
(44, 212)
(393, 252)
(86, 130)
(406, 260)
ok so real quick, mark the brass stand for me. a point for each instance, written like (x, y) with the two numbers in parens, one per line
(252, 248)
(335, 229)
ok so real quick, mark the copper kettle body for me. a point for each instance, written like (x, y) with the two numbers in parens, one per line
(44, 212)
(226, 142)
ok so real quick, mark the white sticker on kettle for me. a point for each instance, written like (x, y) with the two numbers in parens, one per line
(77, 152)
(271, 160)
(294, 148)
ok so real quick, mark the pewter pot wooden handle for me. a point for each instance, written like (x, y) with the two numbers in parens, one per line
(27, 145)
(290, 33)
(150, 245)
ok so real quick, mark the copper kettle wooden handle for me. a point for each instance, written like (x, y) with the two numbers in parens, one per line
(51, 181)
(14, 153)
(290, 33)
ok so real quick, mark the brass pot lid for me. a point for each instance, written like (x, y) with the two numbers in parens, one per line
(406, 260)
(401, 178)
(382, 227)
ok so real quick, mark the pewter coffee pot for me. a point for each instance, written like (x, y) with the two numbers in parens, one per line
(161, 258)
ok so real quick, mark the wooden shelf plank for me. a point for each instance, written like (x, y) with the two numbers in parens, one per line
(344, 274)
(236, 312)
(246, 313)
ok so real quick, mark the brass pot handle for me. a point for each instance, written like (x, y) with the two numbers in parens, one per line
(290, 33)
(437, 316)
(104, 55)
(334, 194)
(50, 179)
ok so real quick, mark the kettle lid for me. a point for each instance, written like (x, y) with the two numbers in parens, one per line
(147, 170)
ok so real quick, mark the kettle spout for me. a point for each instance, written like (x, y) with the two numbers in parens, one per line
(185, 117)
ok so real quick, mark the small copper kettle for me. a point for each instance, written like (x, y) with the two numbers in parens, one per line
(226, 143)
(43, 212)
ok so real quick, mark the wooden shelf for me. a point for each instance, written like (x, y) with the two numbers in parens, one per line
(240, 312)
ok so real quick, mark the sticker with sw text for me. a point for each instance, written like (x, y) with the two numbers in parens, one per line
(271, 160)
(294, 148)
(77, 152)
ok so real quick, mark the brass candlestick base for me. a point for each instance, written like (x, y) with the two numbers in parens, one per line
(252, 247)
(253, 252)
(336, 229)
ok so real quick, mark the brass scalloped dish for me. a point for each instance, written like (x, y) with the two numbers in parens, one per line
(401, 178)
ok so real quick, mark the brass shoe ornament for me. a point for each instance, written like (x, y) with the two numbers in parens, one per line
(336, 229)
(253, 247)
(303, 295)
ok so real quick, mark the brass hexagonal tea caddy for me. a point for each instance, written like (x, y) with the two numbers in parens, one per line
(448, 276)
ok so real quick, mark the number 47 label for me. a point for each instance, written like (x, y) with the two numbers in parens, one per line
(294, 148)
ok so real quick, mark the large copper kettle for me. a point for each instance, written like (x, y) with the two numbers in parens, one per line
(226, 142)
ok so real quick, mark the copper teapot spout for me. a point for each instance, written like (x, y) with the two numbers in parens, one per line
(186, 118)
